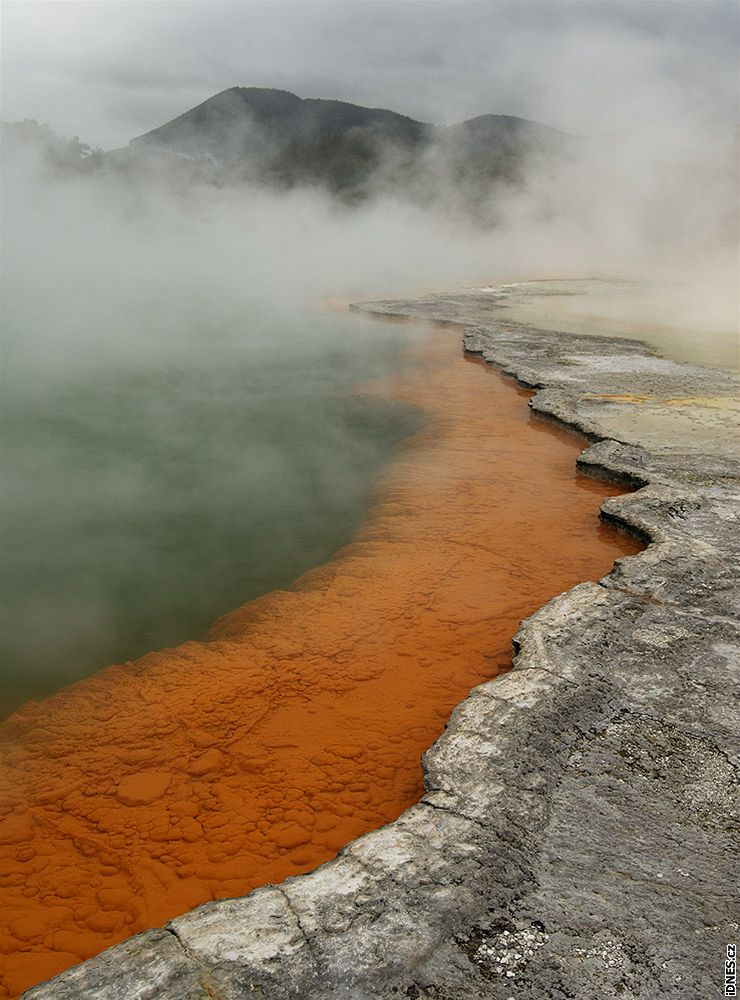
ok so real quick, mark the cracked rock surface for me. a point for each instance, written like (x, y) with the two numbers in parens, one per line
(579, 829)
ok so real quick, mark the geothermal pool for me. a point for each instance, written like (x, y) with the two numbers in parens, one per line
(202, 771)
(146, 493)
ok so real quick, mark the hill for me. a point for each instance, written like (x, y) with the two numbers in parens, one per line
(275, 137)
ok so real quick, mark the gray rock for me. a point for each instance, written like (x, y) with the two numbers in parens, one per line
(145, 967)
(579, 828)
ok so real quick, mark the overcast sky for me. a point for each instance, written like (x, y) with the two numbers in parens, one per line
(109, 70)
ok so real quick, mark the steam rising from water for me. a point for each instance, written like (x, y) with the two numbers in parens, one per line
(161, 335)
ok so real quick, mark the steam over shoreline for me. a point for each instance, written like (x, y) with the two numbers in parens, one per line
(207, 244)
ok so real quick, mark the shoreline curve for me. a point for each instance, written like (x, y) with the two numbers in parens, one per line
(572, 838)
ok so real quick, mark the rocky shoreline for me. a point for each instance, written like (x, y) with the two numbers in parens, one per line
(578, 834)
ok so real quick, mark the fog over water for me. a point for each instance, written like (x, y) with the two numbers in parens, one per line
(180, 428)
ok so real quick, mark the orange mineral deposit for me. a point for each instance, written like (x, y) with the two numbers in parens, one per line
(203, 771)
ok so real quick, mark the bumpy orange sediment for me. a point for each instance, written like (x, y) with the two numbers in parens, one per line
(203, 771)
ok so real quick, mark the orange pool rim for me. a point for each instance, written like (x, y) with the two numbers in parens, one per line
(203, 771)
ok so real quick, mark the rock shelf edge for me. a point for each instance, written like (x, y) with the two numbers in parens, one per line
(578, 834)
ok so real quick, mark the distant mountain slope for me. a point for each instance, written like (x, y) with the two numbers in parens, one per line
(278, 138)
(220, 125)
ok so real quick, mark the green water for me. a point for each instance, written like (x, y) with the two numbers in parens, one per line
(143, 498)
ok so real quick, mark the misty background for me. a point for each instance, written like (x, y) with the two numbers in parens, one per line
(182, 428)
(108, 71)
